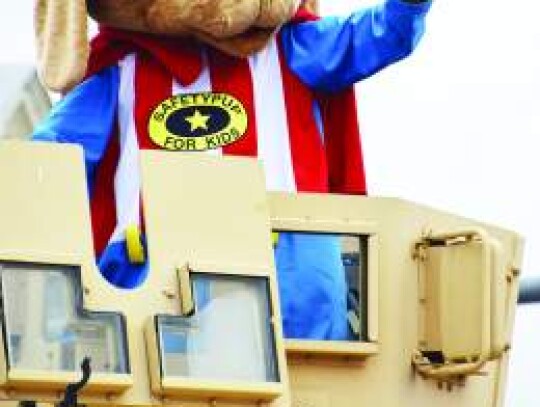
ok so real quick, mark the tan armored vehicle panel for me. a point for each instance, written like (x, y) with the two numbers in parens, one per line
(439, 306)
(431, 295)
(211, 289)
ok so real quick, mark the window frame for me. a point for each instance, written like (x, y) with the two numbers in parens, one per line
(164, 386)
(25, 380)
(348, 349)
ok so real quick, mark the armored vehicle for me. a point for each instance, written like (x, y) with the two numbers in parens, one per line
(430, 295)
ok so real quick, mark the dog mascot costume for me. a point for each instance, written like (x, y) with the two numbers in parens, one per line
(283, 75)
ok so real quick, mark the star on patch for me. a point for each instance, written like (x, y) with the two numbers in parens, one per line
(198, 120)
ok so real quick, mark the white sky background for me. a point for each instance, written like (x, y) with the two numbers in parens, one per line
(456, 126)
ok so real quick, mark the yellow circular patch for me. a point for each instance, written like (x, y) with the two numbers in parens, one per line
(198, 122)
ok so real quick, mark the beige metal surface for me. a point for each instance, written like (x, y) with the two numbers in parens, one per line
(215, 208)
(213, 214)
(47, 211)
(466, 265)
(387, 379)
(45, 218)
(44, 203)
(463, 327)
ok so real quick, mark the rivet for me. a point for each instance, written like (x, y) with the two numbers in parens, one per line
(169, 294)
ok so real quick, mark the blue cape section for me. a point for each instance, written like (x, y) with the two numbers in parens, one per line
(85, 116)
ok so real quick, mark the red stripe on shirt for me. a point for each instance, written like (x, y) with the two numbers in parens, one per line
(153, 85)
(233, 76)
(307, 150)
(342, 142)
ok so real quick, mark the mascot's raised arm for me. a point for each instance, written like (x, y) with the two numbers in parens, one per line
(281, 78)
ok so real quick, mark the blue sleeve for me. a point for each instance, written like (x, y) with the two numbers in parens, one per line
(332, 53)
(85, 116)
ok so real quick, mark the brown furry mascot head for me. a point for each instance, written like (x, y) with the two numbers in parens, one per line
(238, 27)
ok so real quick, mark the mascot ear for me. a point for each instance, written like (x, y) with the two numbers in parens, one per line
(62, 42)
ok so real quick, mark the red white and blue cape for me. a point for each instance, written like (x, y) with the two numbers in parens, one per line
(301, 123)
